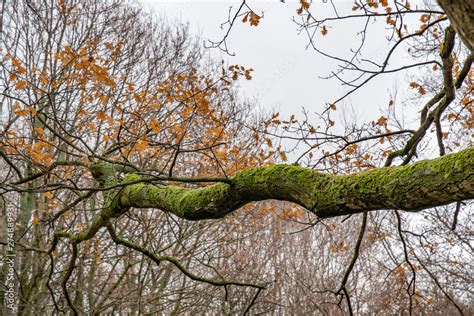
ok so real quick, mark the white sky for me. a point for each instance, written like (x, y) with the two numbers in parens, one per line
(286, 76)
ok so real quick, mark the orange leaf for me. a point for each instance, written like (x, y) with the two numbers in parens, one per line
(382, 121)
(254, 19)
(49, 195)
(21, 70)
(245, 19)
(269, 142)
(20, 85)
(141, 145)
(16, 62)
(101, 115)
(324, 31)
(43, 79)
(425, 18)
(155, 127)
(465, 101)
(32, 110)
(18, 111)
(108, 45)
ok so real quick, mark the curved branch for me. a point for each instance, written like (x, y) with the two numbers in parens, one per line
(158, 259)
(413, 187)
(68, 274)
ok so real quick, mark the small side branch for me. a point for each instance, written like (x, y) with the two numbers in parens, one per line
(158, 259)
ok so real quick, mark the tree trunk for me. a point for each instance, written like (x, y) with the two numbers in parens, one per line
(461, 15)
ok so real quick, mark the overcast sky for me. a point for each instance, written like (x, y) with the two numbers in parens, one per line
(287, 75)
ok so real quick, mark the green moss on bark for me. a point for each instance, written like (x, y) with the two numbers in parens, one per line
(412, 187)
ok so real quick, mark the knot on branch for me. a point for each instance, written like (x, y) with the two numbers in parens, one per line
(104, 172)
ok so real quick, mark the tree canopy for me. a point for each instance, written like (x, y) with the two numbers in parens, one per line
(136, 179)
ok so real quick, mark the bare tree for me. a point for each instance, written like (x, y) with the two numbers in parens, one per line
(110, 116)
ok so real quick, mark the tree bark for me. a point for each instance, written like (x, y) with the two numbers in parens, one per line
(461, 15)
(413, 187)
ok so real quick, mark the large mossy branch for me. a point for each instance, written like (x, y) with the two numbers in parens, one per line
(421, 185)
